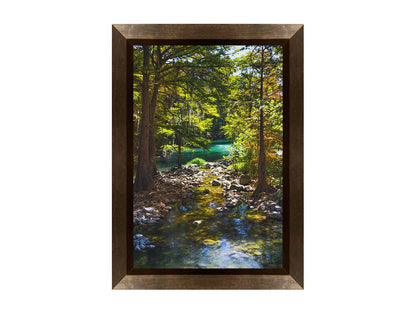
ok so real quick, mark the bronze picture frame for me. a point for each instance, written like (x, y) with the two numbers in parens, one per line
(123, 38)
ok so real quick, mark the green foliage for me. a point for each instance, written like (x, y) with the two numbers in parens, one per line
(239, 166)
(165, 131)
(174, 147)
(213, 92)
(243, 153)
(198, 161)
(242, 121)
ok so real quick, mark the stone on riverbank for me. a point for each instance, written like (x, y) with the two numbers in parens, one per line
(140, 242)
(245, 179)
(179, 184)
(226, 184)
(276, 215)
(215, 183)
(237, 187)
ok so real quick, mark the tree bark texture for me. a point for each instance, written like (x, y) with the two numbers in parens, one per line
(144, 176)
(153, 105)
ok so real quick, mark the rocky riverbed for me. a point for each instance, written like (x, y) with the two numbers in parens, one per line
(174, 186)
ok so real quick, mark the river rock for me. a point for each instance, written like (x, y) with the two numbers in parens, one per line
(191, 168)
(140, 242)
(207, 191)
(276, 215)
(215, 183)
(245, 179)
(223, 162)
(276, 208)
(226, 184)
(231, 202)
(237, 187)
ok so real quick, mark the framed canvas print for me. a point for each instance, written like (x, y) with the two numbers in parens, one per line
(207, 156)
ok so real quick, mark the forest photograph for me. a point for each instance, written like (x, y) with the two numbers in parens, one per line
(208, 156)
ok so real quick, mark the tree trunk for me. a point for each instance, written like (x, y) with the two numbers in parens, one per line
(144, 178)
(250, 104)
(262, 185)
(153, 104)
(179, 151)
(152, 131)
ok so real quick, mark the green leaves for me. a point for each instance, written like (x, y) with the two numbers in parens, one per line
(208, 92)
(165, 131)
(256, 66)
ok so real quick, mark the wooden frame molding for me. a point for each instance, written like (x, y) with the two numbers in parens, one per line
(123, 39)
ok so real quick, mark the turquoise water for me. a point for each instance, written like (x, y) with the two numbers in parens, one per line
(216, 151)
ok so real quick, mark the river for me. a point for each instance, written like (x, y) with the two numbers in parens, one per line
(196, 235)
(217, 149)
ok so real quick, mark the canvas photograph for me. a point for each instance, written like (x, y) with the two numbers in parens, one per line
(208, 157)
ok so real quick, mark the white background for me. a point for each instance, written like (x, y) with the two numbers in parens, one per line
(55, 168)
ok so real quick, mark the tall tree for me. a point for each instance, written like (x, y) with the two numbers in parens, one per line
(157, 62)
(144, 179)
(172, 67)
(262, 184)
(257, 134)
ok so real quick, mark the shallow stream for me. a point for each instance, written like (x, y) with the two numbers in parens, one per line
(196, 235)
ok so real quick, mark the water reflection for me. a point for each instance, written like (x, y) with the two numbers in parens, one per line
(195, 235)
